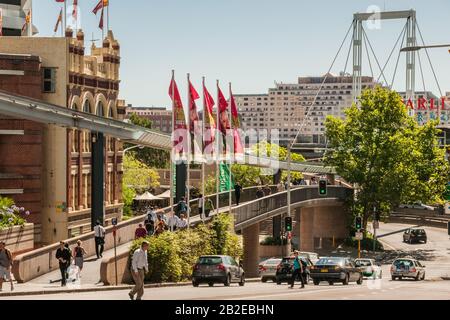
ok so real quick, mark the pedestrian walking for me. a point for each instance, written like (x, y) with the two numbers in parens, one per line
(181, 207)
(150, 227)
(280, 187)
(297, 271)
(78, 254)
(208, 207)
(160, 226)
(151, 214)
(64, 257)
(139, 266)
(237, 192)
(6, 263)
(140, 232)
(100, 233)
(200, 205)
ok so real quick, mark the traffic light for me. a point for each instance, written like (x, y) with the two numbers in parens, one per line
(358, 223)
(288, 224)
(323, 187)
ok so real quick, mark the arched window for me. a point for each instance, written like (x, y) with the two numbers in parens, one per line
(87, 107)
(110, 113)
(100, 109)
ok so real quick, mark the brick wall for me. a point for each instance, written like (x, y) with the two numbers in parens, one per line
(21, 155)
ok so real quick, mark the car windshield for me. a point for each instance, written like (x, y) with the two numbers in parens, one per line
(363, 263)
(403, 263)
(330, 261)
(210, 260)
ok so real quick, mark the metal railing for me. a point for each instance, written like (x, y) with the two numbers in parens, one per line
(260, 209)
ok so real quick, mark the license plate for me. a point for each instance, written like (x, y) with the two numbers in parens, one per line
(324, 270)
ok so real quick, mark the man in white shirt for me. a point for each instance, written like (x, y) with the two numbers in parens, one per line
(100, 233)
(139, 266)
(173, 222)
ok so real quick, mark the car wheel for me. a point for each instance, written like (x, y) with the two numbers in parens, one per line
(242, 282)
(316, 282)
(227, 281)
(360, 280)
(264, 280)
(423, 277)
(425, 241)
(393, 278)
(417, 278)
(400, 278)
(211, 284)
(345, 281)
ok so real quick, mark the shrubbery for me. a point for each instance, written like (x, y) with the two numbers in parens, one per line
(10, 214)
(171, 256)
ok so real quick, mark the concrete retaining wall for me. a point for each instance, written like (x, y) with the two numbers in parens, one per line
(38, 262)
(19, 238)
(108, 273)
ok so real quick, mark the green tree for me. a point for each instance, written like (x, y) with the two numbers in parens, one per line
(384, 151)
(153, 158)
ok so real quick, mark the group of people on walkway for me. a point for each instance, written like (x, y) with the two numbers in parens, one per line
(66, 258)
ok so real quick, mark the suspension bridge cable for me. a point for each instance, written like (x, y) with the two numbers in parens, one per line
(398, 60)
(368, 57)
(376, 59)
(348, 55)
(393, 49)
(311, 106)
(421, 73)
(429, 60)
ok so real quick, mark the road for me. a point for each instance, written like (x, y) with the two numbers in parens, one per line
(369, 290)
(435, 254)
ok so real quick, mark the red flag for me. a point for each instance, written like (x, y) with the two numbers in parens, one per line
(98, 7)
(179, 120)
(59, 20)
(238, 148)
(223, 115)
(60, 0)
(210, 124)
(75, 9)
(100, 25)
(193, 114)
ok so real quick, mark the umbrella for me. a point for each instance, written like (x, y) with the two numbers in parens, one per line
(165, 195)
(147, 196)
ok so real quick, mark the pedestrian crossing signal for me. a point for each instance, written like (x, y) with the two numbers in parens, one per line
(323, 187)
(288, 224)
(358, 223)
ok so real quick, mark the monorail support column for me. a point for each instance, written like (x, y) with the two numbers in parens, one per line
(98, 178)
(306, 229)
(251, 250)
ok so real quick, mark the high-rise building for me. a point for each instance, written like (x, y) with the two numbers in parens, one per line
(46, 168)
(14, 13)
(286, 106)
(161, 118)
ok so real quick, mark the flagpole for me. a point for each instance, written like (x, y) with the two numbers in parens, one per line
(65, 17)
(62, 23)
(218, 147)
(172, 149)
(203, 151)
(30, 23)
(188, 180)
(230, 118)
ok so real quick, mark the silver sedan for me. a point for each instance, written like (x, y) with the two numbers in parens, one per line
(268, 269)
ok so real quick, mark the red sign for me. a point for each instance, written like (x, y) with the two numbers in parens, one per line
(424, 104)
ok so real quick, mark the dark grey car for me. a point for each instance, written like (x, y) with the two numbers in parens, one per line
(217, 269)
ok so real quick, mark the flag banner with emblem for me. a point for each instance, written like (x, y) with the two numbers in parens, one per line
(75, 9)
(179, 136)
(225, 183)
(224, 125)
(98, 7)
(195, 125)
(210, 124)
(236, 125)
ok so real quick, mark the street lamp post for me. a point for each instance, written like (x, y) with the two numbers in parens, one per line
(131, 148)
(417, 48)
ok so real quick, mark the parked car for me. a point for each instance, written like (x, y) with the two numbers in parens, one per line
(268, 269)
(314, 257)
(286, 266)
(217, 269)
(415, 235)
(417, 205)
(336, 269)
(407, 268)
(369, 268)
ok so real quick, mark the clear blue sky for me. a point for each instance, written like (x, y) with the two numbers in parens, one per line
(251, 43)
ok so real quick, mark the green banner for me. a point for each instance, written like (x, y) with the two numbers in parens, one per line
(224, 178)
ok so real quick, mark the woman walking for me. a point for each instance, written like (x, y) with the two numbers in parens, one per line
(79, 253)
